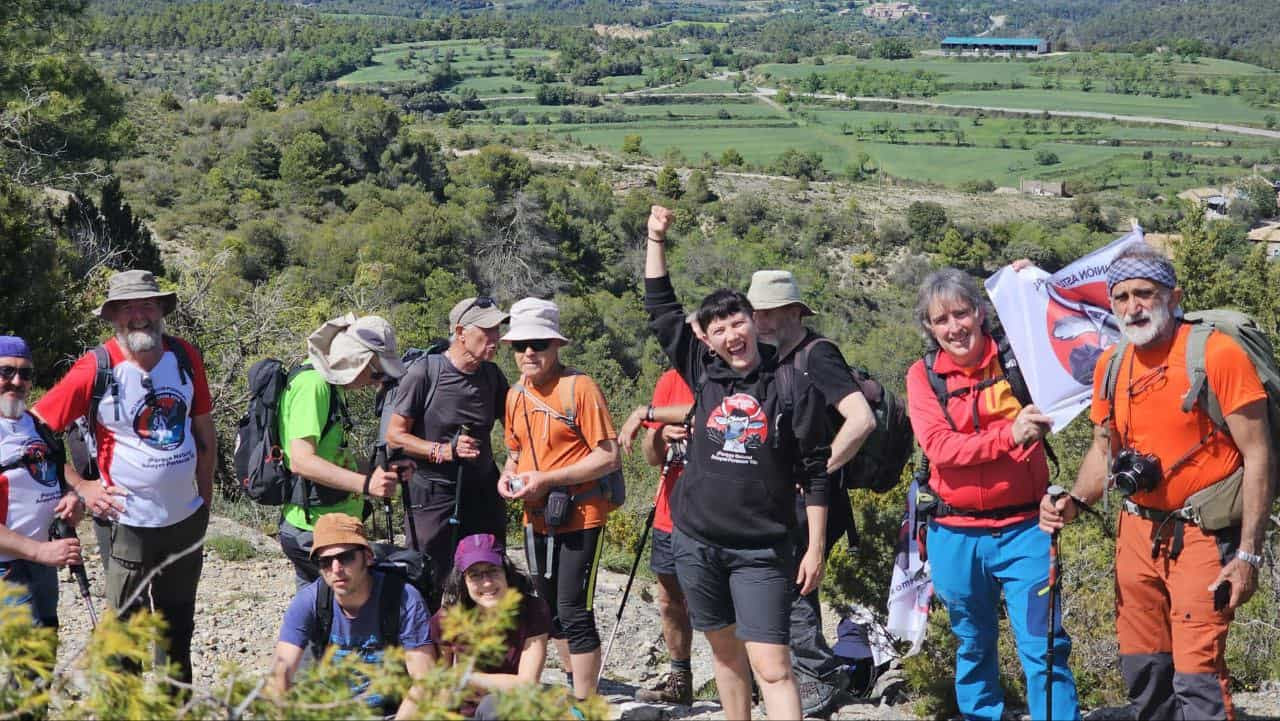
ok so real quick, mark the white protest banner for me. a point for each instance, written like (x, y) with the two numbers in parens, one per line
(912, 586)
(1058, 324)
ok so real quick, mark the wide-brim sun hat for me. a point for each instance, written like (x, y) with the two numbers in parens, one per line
(342, 348)
(534, 319)
(775, 289)
(136, 285)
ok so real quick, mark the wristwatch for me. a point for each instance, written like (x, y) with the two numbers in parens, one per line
(1249, 558)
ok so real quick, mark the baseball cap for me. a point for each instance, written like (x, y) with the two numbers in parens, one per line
(476, 548)
(479, 311)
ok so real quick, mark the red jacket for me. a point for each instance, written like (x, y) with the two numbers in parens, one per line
(980, 469)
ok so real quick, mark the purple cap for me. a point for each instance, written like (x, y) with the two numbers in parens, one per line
(11, 346)
(477, 548)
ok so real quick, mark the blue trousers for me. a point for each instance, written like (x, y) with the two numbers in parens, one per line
(970, 567)
(41, 583)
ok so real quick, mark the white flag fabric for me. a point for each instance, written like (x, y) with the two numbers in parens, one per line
(912, 587)
(1058, 324)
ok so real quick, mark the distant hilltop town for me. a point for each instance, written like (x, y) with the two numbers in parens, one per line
(894, 11)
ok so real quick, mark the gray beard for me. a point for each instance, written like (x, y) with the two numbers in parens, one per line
(141, 341)
(12, 408)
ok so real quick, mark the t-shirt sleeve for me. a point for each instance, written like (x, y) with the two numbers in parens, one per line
(1231, 374)
(300, 617)
(593, 412)
(411, 391)
(662, 394)
(201, 399)
(308, 407)
(508, 427)
(69, 399)
(415, 627)
(830, 373)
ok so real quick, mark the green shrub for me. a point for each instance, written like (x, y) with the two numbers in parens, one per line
(231, 548)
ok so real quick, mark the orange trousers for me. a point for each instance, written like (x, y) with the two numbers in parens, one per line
(1173, 637)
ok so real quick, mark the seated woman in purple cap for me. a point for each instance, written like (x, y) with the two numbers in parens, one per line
(480, 578)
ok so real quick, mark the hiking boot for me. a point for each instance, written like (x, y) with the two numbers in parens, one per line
(818, 698)
(676, 688)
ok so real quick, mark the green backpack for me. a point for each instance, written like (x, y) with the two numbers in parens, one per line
(1245, 332)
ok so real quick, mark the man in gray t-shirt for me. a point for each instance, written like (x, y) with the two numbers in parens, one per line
(442, 415)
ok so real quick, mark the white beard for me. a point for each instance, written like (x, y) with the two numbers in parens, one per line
(12, 408)
(1155, 328)
(141, 341)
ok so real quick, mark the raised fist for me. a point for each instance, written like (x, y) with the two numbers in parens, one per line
(659, 220)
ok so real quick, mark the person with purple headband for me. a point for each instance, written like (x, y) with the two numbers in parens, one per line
(482, 575)
(1179, 574)
(33, 492)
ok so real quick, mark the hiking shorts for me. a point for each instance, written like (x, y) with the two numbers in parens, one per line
(41, 582)
(571, 589)
(749, 587)
(662, 560)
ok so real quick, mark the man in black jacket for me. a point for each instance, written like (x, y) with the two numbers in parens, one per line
(733, 509)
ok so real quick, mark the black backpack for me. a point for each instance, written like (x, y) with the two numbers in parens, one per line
(879, 462)
(259, 459)
(82, 442)
(383, 402)
(399, 567)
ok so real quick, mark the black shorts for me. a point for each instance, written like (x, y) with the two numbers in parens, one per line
(750, 587)
(662, 560)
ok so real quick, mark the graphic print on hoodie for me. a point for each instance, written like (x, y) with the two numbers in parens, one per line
(739, 427)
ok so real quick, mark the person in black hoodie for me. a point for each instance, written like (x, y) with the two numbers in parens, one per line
(751, 443)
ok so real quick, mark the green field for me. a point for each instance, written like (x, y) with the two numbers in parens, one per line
(483, 63)
(1207, 108)
(705, 85)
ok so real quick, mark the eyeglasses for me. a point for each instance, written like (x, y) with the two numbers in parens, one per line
(481, 301)
(25, 373)
(345, 558)
(538, 346)
(479, 575)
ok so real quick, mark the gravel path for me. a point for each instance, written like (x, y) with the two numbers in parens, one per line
(240, 605)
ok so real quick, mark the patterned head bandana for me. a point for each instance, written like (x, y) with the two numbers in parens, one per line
(1158, 270)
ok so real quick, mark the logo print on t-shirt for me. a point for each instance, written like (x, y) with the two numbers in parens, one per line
(35, 455)
(161, 421)
(739, 426)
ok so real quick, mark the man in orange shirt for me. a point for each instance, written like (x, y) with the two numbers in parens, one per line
(1177, 584)
(560, 441)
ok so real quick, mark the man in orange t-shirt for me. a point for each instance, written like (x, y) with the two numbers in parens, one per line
(1177, 585)
(550, 448)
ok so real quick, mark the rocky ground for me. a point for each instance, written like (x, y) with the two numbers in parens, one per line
(241, 603)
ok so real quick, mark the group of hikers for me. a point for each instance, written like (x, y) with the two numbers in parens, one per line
(754, 428)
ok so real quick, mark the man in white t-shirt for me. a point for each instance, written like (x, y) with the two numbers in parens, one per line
(31, 492)
(147, 400)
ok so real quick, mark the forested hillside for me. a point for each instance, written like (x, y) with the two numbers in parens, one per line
(213, 142)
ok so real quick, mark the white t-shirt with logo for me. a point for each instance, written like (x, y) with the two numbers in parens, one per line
(144, 437)
(29, 489)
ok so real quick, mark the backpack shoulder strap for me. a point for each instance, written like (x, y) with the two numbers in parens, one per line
(186, 371)
(57, 450)
(1011, 370)
(324, 619)
(568, 402)
(939, 385)
(1197, 374)
(389, 600)
(104, 382)
(1111, 377)
(435, 366)
(800, 356)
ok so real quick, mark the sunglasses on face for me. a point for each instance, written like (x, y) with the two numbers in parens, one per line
(25, 373)
(345, 558)
(538, 346)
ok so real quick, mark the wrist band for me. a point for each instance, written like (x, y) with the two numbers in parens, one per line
(648, 414)
(1249, 558)
(659, 241)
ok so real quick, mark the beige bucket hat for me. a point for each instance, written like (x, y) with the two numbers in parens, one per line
(342, 347)
(775, 289)
(136, 285)
(534, 319)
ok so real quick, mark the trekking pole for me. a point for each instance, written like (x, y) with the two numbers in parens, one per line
(1055, 597)
(59, 530)
(465, 429)
(635, 563)
(397, 461)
